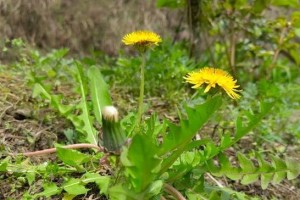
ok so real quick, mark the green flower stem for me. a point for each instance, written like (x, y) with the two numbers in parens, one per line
(142, 86)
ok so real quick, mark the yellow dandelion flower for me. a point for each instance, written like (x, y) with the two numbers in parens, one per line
(213, 77)
(141, 38)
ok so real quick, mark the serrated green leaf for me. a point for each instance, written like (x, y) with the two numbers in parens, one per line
(293, 169)
(74, 187)
(141, 167)
(264, 166)
(99, 92)
(119, 192)
(212, 168)
(101, 181)
(91, 134)
(226, 141)
(278, 177)
(70, 156)
(190, 158)
(278, 163)
(234, 174)
(249, 178)
(242, 130)
(197, 143)
(197, 117)
(229, 194)
(246, 164)
(30, 176)
(211, 150)
(292, 175)
(154, 189)
(49, 190)
(227, 169)
(179, 137)
(265, 179)
(224, 162)
(4, 164)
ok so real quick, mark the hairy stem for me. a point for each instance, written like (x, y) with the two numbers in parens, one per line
(172, 191)
(142, 86)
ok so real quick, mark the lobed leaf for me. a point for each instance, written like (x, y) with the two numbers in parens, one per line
(71, 157)
(141, 162)
(75, 187)
(228, 169)
(294, 169)
(101, 181)
(249, 178)
(246, 164)
(265, 179)
(179, 137)
(197, 117)
(248, 173)
(253, 120)
(50, 189)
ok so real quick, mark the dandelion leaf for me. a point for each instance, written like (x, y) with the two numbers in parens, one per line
(246, 164)
(294, 169)
(249, 178)
(253, 120)
(99, 92)
(265, 179)
(71, 157)
(197, 116)
(101, 181)
(74, 187)
(141, 162)
(88, 128)
(50, 189)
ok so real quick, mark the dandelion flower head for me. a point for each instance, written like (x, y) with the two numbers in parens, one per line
(141, 38)
(212, 77)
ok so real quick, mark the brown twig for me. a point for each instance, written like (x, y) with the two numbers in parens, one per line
(215, 180)
(53, 150)
(172, 191)
(277, 51)
(231, 48)
(232, 51)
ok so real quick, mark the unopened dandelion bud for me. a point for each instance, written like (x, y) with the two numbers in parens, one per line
(113, 136)
(110, 113)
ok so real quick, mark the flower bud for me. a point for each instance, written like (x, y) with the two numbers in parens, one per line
(113, 136)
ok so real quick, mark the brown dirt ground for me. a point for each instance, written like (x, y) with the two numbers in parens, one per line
(82, 25)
